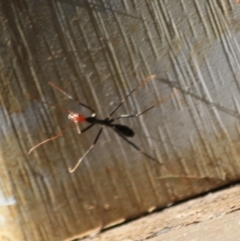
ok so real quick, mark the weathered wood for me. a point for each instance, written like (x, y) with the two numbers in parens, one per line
(98, 52)
(214, 216)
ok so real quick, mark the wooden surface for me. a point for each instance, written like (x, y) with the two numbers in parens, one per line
(98, 51)
(214, 216)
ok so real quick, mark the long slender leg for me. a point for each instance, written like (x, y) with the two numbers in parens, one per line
(126, 97)
(137, 148)
(87, 128)
(79, 161)
(70, 97)
(52, 138)
(134, 115)
(143, 112)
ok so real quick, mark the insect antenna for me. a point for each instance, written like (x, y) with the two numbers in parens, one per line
(60, 133)
(52, 138)
(47, 103)
(70, 97)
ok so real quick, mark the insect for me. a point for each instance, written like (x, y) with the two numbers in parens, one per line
(121, 130)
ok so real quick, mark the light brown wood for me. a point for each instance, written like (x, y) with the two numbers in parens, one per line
(98, 51)
(214, 216)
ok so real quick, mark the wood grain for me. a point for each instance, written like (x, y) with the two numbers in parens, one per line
(98, 51)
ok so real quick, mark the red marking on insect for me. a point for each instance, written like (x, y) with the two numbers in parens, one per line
(121, 130)
(76, 118)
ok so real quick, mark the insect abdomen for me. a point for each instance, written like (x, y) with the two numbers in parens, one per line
(124, 130)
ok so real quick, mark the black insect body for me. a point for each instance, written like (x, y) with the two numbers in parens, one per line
(121, 130)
